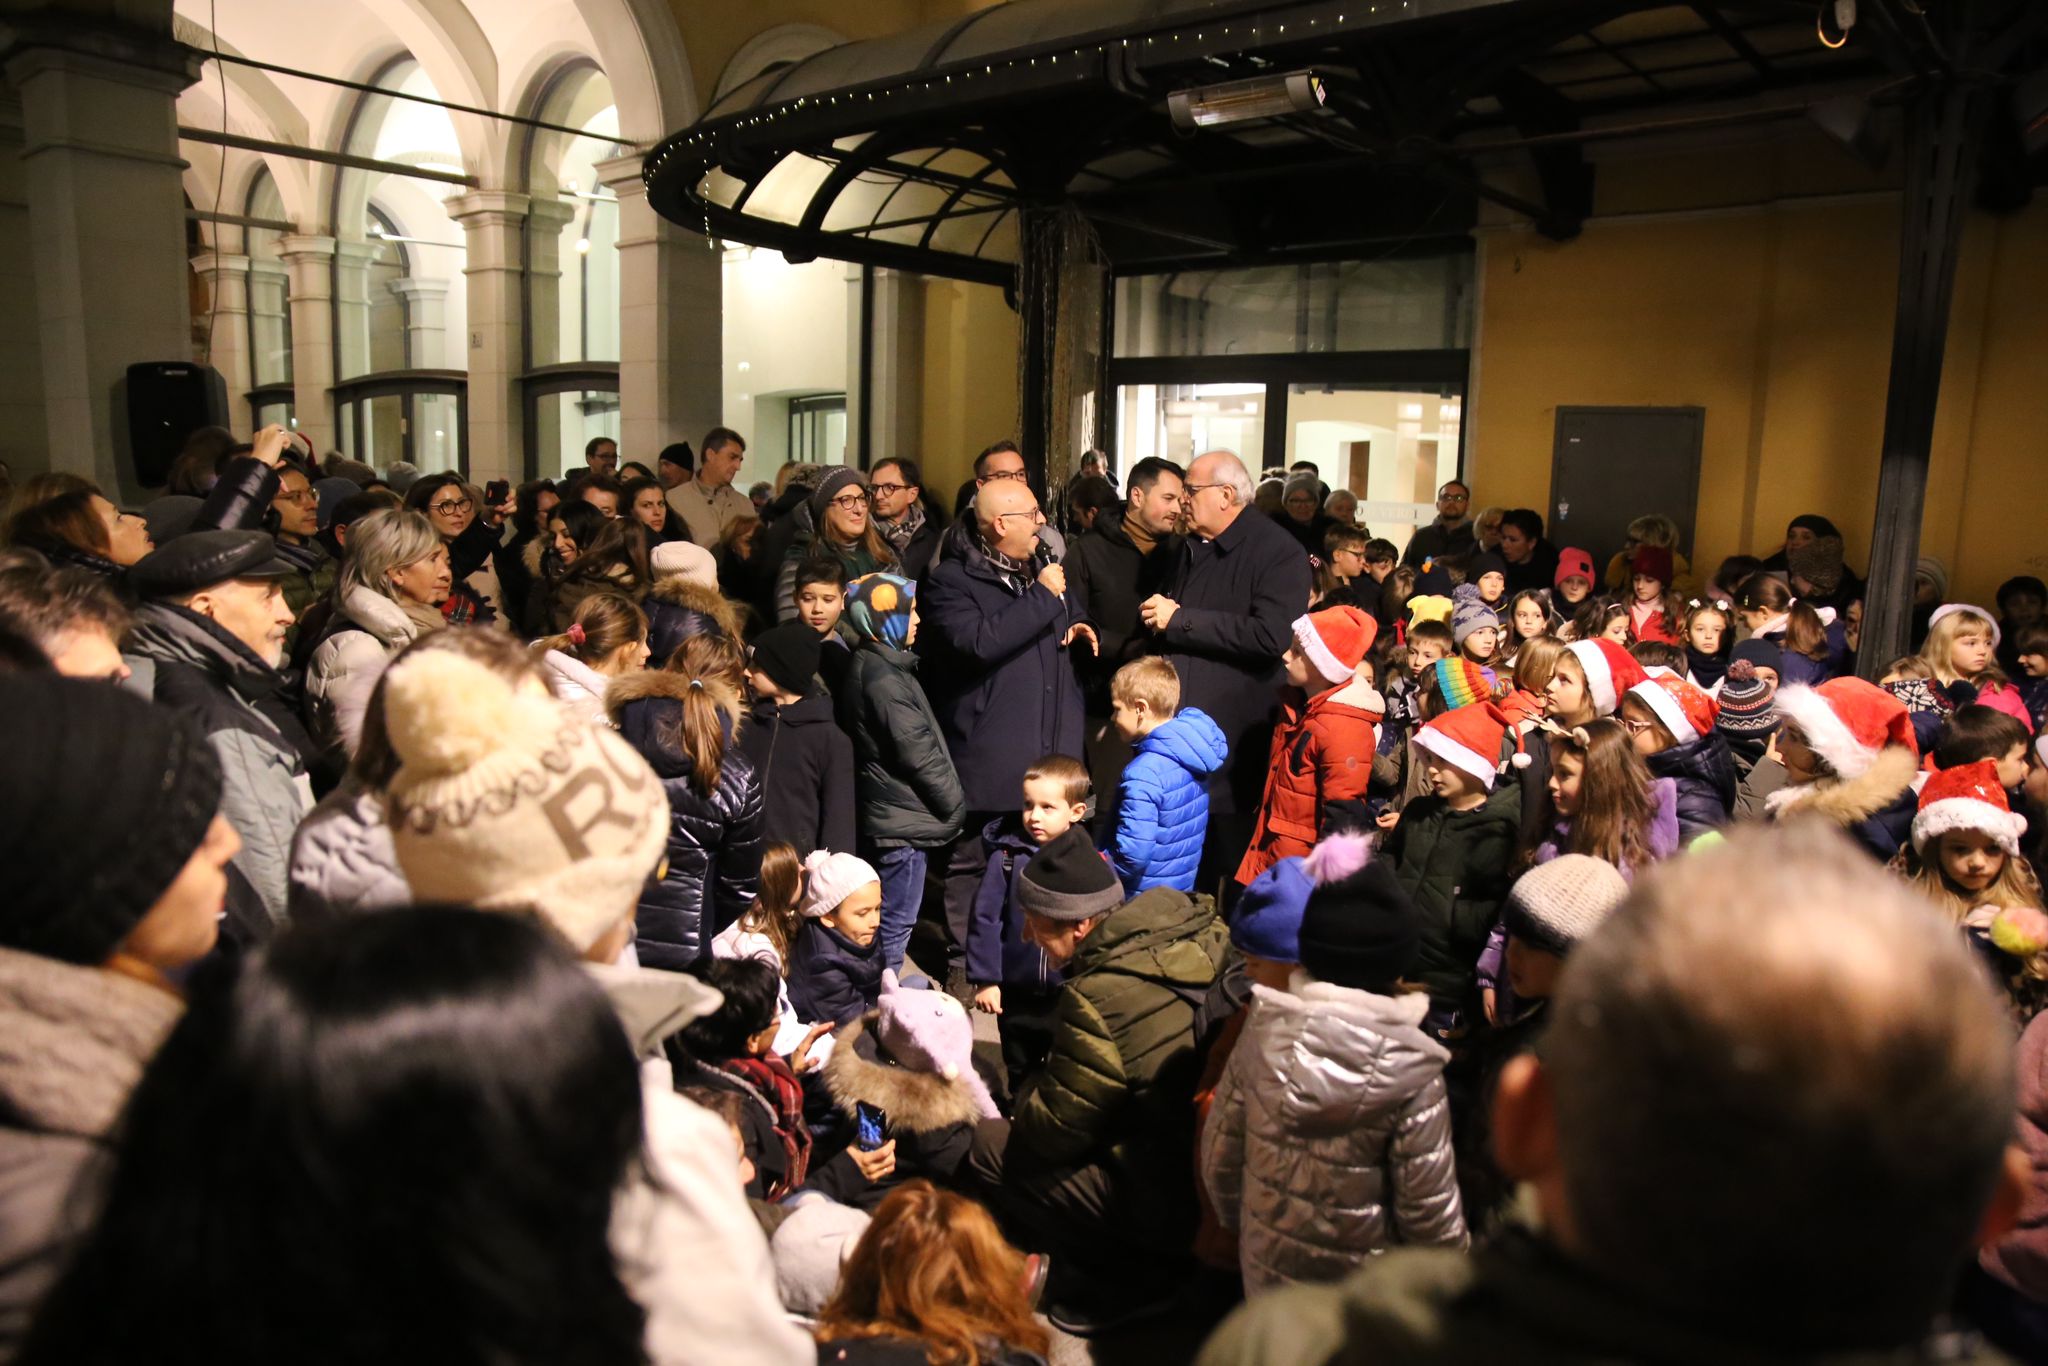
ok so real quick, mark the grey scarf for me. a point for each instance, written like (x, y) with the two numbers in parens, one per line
(901, 532)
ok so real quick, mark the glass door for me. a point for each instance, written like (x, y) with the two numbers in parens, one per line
(1181, 421)
(1391, 448)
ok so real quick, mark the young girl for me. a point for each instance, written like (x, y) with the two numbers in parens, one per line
(1588, 681)
(1768, 609)
(1528, 616)
(732, 1050)
(1652, 611)
(607, 640)
(1573, 581)
(1707, 638)
(1849, 756)
(1608, 803)
(1965, 858)
(835, 968)
(1961, 648)
(1475, 627)
(1671, 724)
(1602, 619)
(767, 930)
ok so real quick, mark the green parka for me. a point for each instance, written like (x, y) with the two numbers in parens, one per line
(1119, 1082)
(1457, 866)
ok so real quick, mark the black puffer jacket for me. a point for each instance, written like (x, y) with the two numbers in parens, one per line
(805, 763)
(1704, 770)
(905, 788)
(831, 977)
(1111, 578)
(714, 840)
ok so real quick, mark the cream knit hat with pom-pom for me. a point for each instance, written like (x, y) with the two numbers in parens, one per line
(504, 800)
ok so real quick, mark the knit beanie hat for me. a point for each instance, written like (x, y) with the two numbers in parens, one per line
(1433, 579)
(789, 655)
(1936, 574)
(1334, 640)
(1462, 683)
(1359, 928)
(879, 606)
(1764, 654)
(1428, 607)
(1747, 702)
(1470, 613)
(928, 1031)
(1848, 722)
(837, 480)
(1268, 920)
(104, 798)
(1068, 880)
(1573, 563)
(1819, 562)
(1652, 562)
(1470, 739)
(685, 560)
(505, 800)
(830, 878)
(1484, 563)
(1557, 904)
(1967, 797)
(1684, 709)
(808, 1249)
(1610, 672)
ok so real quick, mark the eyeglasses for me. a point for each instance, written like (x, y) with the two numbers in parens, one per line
(1017, 475)
(449, 507)
(303, 498)
(1188, 491)
(1352, 551)
(1454, 497)
(1036, 515)
(847, 502)
(885, 490)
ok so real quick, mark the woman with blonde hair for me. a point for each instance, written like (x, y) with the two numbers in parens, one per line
(933, 1281)
(1656, 530)
(389, 594)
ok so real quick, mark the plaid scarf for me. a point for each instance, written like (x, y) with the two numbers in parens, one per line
(901, 532)
(465, 608)
(1017, 574)
(772, 1079)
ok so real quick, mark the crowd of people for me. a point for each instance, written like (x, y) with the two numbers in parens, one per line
(624, 918)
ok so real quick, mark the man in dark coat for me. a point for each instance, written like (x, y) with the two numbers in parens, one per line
(1449, 534)
(910, 526)
(1532, 561)
(1227, 617)
(997, 624)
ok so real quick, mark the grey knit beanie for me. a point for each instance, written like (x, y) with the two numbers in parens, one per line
(1556, 904)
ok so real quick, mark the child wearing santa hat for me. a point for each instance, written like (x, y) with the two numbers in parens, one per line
(1589, 682)
(1670, 721)
(1454, 851)
(1849, 757)
(1323, 746)
(1965, 858)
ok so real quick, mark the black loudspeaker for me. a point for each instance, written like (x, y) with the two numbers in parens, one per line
(167, 402)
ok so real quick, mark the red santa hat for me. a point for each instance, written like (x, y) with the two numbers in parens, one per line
(1335, 640)
(1470, 739)
(1610, 672)
(1847, 722)
(1967, 797)
(1686, 711)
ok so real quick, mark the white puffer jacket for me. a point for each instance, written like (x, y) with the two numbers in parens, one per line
(343, 861)
(1330, 1138)
(578, 685)
(345, 667)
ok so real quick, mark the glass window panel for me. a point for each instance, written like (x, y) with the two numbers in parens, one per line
(270, 314)
(1181, 421)
(1391, 448)
(564, 423)
(436, 433)
(572, 231)
(1413, 304)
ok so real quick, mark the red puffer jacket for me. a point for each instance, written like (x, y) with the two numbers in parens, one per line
(1322, 753)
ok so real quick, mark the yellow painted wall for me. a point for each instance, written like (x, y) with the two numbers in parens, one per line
(1777, 321)
(970, 379)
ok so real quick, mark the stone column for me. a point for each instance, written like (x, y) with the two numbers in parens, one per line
(227, 284)
(545, 219)
(352, 305)
(426, 322)
(897, 380)
(103, 181)
(492, 224)
(310, 260)
(671, 344)
(24, 440)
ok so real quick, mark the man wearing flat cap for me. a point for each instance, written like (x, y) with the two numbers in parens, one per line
(208, 641)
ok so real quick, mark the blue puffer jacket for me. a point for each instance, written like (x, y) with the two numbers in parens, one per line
(1163, 812)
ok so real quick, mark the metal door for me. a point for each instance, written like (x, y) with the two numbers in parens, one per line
(1613, 465)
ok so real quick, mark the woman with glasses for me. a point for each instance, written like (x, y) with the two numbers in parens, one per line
(845, 531)
(390, 593)
(454, 507)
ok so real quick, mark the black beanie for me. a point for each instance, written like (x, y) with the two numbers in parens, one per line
(789, 655)
(1068, 880)
(103, 799)
(1359, 929)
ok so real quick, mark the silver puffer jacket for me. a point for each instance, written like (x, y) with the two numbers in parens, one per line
(1330, 1137)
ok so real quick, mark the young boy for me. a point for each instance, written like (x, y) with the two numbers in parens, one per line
(1488, 572)
(1011, 978)
(1428, 641)
(820, 595)
(1452, 851)
(1162, 808)
(1324, 743)
(1475, 625)
(1344, 554)
(803, 760)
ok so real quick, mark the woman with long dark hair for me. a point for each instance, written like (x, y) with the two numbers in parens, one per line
(614, 558)
(533, 505)
(393, 1139)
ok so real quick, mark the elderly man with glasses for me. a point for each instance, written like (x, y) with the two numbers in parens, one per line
(998, 636)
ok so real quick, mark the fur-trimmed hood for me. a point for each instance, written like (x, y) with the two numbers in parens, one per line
(917, 1102)
(1845, 801)
(530, 555)
(706, 601)
(661, 685)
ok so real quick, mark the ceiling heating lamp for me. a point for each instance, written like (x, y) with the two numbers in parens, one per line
(1260, 97)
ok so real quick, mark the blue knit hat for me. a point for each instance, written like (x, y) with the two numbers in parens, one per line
(879, 608)
(1268, 923)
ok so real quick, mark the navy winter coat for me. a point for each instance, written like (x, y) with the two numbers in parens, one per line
(1162, 813)
(831, 977)
(805, 763)
(1704, 771)
(999, 679)
(996, 952)
(714, 840)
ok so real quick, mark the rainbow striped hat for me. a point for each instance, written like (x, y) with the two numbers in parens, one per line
(1462, 682)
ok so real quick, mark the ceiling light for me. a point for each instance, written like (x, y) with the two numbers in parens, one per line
(1261, 97)
(583, 244)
